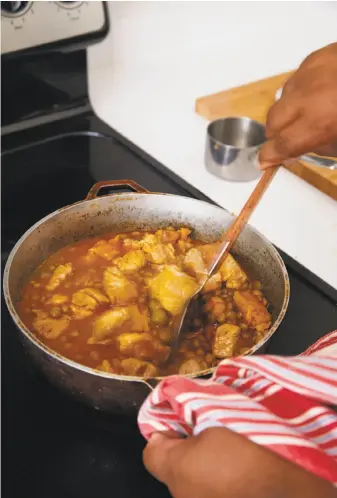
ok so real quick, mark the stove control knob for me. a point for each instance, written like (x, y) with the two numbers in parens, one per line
(14, 9)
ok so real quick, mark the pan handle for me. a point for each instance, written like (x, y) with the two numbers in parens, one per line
(117, 184)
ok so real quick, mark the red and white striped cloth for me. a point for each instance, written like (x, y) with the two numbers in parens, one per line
(286, 404)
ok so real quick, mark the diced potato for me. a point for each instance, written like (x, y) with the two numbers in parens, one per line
(57, 299)
(192, 366)
(154, 304)
(194, 264)
(172, 288)
(105, 325)
(104, 250)
(159, 316)
(119, 289)
(143, 346)
(232, 273)
(60, 273)
(139, 368)
(226, 337)
(50, 328)
(132, 261)
(253, 310)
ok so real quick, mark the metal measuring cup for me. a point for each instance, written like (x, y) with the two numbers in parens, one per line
(232, 146)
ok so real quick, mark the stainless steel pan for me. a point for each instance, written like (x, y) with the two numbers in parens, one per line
(138, 210)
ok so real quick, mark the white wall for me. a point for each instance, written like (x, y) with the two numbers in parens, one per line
(252, 39)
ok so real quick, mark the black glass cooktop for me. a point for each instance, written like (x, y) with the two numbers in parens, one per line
(53, 447)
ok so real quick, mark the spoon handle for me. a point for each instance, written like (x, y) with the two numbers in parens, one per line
(234, 230)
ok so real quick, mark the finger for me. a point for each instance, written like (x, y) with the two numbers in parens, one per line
(328, 150)
(157, 455)
(289, 85)
(295, 140)
(281, 114)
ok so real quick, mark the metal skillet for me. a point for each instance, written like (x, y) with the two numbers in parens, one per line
(138, 210)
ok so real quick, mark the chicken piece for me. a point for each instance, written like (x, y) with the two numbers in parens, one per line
(104, 250)
(131, 244)
(192, 366)
(50, 328)
(209, 252)
(60, 273)
(254, 312)
(194, 264)
(39, 313)
(119, 289)
(85, 301)
(184, 246)
(156, 252)
(57, 299)
(139, 368)
(226, 337)
(150, 239)
(139, 320)
(80, 313)
(143, 346)
(232, 273)
(159, 254)
(172, 288)
(105, 325)
(185, 233)
(213, 284)
(89, 298)
(97, 295)
(87, 278)
(132, 261)
(116, 243)
(168, 236)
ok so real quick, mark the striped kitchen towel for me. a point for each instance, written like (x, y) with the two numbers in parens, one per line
(287, 404)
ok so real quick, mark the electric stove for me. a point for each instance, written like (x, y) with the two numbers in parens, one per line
(53, 150)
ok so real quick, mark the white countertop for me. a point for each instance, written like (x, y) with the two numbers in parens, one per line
(144, 80)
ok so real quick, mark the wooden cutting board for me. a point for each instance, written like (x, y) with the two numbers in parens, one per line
(254, 100)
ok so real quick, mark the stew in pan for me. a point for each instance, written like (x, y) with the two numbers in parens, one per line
(109, 302)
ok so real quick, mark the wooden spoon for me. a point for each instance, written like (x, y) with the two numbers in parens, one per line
(227, 241)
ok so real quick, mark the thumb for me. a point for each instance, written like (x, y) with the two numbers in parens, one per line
(157, 455)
